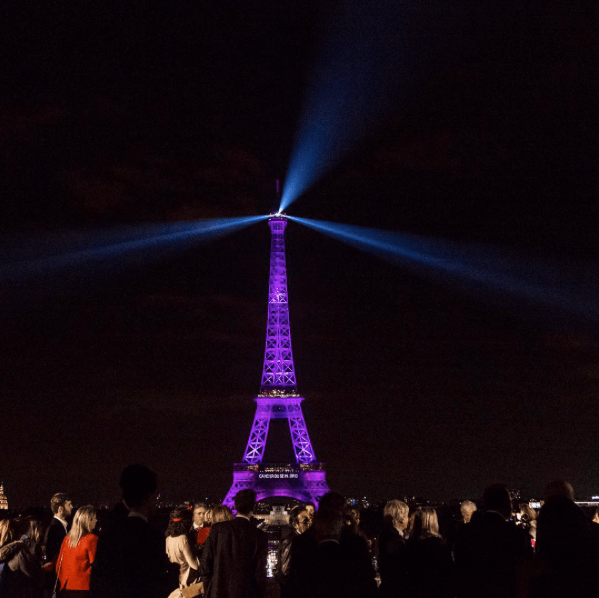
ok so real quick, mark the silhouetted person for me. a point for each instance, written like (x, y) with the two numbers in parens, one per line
(593, 517)
(428, 558)
(491, 551)
(566, 550)
(467, 508)
(392, 549)
(329, 559)
(131, 561)
(233, 563)
(299, 523)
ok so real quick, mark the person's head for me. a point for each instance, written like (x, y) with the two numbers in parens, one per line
(328, 520)
(331, 506)
(208, 517)
(309, 506)
(467, 508)
(245, 501)
(32, 529)
(354, 513)
(424, 523)
(8, 531)
(221, 513)
(351, 518)
(497, 498)
(179, 522)
(199, 512)
(84, 522)
(527, 512)
(559, 489)
(299, 519)
(396, 513)
(138, 484)
(61, 505)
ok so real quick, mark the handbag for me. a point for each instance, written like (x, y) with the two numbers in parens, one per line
(195, 589)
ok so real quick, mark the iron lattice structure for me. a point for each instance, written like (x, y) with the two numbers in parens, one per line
(305, 479)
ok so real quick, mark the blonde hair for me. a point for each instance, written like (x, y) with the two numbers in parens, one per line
(8, 531)
(467, 508)
(396, 510)
(81, 524)
(528, 512)
(424, 523)
(221, 513)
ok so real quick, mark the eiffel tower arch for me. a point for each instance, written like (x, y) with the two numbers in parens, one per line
(305, 478)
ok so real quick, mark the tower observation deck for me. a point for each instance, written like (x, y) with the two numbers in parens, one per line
(305, 479)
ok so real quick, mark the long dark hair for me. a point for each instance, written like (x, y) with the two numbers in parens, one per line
(179, 522)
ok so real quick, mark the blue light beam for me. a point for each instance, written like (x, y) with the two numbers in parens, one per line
(76, 252)
(527, 284)
(375, 55)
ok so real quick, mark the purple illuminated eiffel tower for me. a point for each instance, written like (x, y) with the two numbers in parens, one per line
(305, 479)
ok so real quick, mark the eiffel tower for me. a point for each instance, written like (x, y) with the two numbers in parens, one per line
(304, 479)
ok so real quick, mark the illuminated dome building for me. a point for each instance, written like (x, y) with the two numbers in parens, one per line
(3, 499)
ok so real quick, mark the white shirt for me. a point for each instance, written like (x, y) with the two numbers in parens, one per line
(64, 523)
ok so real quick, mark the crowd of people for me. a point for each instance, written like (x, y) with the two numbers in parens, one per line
(493, 551)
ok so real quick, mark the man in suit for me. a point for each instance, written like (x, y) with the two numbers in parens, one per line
(62, 508)
(330, 559)
(234, 558)
(131, 560)
(491, 553)
(198, 534)
(566, 549)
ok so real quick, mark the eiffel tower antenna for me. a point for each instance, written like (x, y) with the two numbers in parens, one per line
(305, 479)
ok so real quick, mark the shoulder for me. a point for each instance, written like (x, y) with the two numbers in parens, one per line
(55, 526)
(223, 527)
(9, 551)
(90, 540)
(178, 541)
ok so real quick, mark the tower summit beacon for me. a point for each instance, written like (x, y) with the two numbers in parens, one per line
(305, 478)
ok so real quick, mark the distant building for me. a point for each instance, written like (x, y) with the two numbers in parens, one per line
(3, 499)
(515, 493)
(278, 516)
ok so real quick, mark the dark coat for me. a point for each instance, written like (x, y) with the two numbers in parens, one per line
(284, 556)
(53, 538)
(490, 553)
(567, 552)
(131, 562)
(430, 568)
(392, 562)
(233, 563)
(21, 575)
(325, 568)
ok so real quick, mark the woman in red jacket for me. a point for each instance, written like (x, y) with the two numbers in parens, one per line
(77, 554)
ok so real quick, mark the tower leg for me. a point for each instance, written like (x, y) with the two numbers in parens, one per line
(257, 442)
(299, 435)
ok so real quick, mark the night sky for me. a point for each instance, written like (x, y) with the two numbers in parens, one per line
(113, 117)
